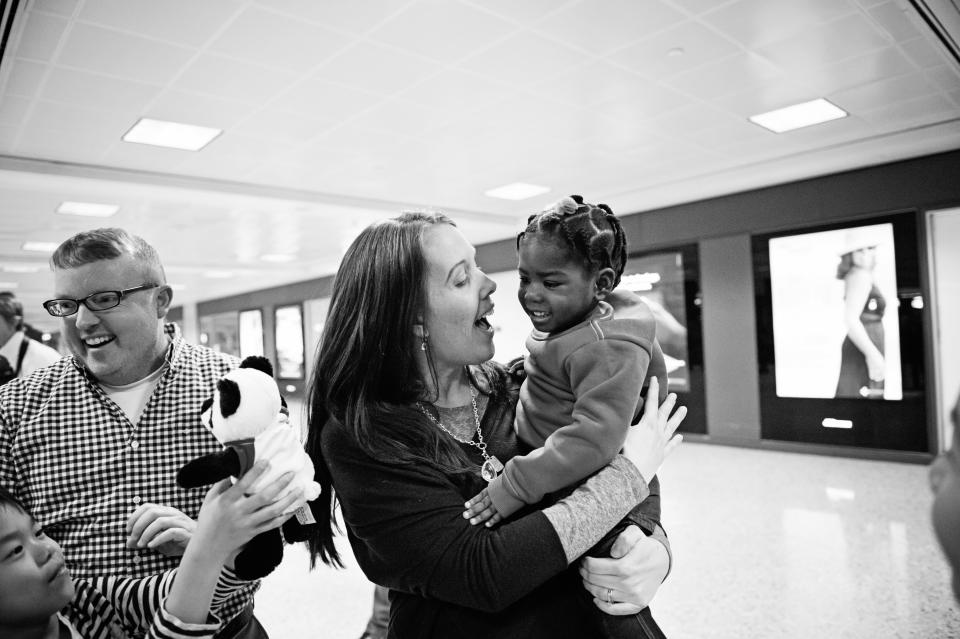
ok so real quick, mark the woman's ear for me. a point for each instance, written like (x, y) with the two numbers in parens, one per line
(604, 282)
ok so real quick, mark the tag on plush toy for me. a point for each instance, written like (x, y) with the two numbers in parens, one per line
(304, 516)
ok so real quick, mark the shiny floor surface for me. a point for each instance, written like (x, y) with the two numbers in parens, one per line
(766, 545)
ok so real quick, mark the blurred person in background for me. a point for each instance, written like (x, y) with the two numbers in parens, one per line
(20, 354)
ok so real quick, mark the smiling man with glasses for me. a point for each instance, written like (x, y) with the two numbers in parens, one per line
(92, 443)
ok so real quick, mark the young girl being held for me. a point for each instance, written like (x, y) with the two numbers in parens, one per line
(40, 600)
(588, 364)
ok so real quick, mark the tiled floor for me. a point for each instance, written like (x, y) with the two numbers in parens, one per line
(766, 545)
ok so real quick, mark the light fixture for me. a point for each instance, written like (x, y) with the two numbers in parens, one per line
(517, 191)
(89, 209)
(174, 135)
(799, 115)
(8, 285)
(277, 257)
(218, 275)
(10, 267)
(40, 247)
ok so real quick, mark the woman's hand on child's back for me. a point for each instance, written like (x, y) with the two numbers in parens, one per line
(230, 517)
(653, 438)
(480, 509)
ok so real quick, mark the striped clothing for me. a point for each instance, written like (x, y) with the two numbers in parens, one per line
(78, 464)
(122, 607)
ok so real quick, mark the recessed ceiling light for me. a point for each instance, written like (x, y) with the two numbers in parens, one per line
(40, 247)
(89, 209)
(675, 52)
(177, 287)
(517, 191)
(799, 115)
(20, 268)
(174, 135)
(277, 257)
(8, 285)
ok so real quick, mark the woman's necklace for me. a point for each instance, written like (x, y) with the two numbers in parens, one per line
(491, 465)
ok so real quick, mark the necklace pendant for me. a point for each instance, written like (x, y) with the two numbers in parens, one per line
(491, 468)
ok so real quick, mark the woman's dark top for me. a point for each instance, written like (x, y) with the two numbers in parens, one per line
(447, 577)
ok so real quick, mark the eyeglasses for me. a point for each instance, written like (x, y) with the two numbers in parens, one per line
(99, 301)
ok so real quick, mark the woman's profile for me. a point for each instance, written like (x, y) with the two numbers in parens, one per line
(862, 362)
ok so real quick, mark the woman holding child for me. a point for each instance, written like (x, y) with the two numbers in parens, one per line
(408, 417)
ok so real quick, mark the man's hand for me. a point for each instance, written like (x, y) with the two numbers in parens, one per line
(162, 528)
(625, 583)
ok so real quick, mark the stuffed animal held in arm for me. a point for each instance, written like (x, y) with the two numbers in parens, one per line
(249, 417)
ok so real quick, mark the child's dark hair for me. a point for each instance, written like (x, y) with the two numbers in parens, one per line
(8, 500)
(591, 231)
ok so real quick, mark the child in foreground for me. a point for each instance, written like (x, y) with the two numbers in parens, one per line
(588, 364)
(40, 600)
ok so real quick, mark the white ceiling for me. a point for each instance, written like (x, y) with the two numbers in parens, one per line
(338, 112)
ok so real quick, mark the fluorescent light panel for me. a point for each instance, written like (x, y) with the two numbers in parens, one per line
(517, 191)
(799, 115)
(277, 257)
(8, 285)
(174, 135)
(40, 247)
(20, 268)
(89, 209)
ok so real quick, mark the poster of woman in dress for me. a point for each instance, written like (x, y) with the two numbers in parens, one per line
(834, 298)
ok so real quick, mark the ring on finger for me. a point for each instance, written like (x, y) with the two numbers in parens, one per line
(609, 595)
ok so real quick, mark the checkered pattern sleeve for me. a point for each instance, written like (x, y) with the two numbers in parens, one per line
(82, 467)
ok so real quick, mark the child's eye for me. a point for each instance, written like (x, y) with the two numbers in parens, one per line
(549, 284)
(40, 533)
(16, 550)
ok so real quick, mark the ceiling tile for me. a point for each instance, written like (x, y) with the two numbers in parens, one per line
(97, 91)
(775, 94)
(283, 126)
(924, 110)
(852, 72)
(723, 77)
(25, 78)
(199, 109)
(269, 39)
(654, 101)
(232, 79)
(354, 16)
(901, 22)
(13, 111)
(699, 46)
(698, 7)
(593, 83)
(884, 92)
(525, 13)
(59, 7)
(442, 30)
(79, 145)
(754, 23)
(398, 115)
(945, 77)
(41, 36)
(455, 91)
(924, 54)
(316, 97)
(163, 20)
(105, 51)
(376, 69)
(846, 37)
(144, 157)
(523, 59)
(602, 26)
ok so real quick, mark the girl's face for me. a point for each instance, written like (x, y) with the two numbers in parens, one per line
(945, 480)
(34, 580)
(556, 291)
(457, 300)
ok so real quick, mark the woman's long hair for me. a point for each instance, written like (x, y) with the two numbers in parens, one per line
(366, 375)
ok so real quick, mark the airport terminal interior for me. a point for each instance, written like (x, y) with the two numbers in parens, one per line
(749, 148)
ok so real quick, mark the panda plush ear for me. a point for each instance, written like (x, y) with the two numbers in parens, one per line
(259, 363)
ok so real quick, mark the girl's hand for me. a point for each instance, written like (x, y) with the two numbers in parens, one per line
(650, 441)
(480, 509)
(229, 517)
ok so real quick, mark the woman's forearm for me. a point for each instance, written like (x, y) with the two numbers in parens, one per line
(582, 518)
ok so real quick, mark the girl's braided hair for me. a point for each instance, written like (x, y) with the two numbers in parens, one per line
(591, 232)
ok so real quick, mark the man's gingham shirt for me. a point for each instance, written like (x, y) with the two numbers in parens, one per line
(81, 467)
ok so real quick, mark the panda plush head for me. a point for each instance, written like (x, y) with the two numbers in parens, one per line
(245, 403)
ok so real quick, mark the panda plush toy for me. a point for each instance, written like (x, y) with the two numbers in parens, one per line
(249, 418)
